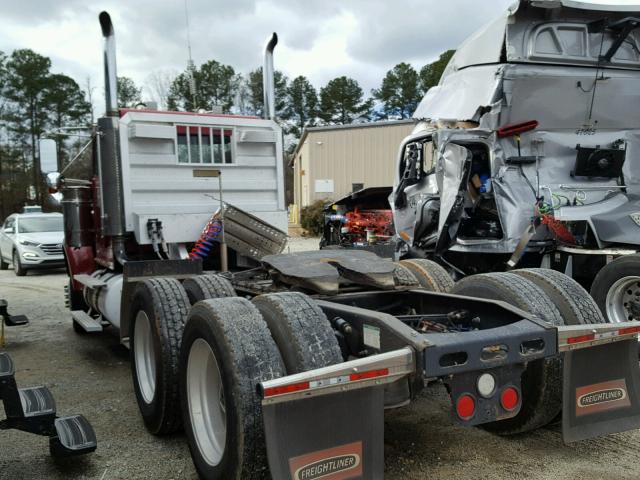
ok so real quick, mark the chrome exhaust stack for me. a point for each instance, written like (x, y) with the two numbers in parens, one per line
(109, 59)
(268, 83)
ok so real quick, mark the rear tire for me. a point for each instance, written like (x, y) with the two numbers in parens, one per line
(616, 289)
(403, 277)
(429, 274)
(576, 306)
(159, 308)
(301, 331)
(18, 269)
(541, 382)
(226, 351)
(204, 287)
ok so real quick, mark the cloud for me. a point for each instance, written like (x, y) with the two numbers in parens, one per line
(320, 39)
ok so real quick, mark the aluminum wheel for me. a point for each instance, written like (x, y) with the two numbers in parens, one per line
(145, 357)
(205, 397)
(623, 300)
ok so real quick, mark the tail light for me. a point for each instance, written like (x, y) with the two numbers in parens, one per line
(466, 406)
(509, 398)
(517, 129)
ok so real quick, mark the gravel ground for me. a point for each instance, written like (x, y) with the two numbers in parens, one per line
(89, 374)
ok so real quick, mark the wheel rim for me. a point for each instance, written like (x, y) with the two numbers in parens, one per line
(621, 297)
(145, 357)
(206, 402)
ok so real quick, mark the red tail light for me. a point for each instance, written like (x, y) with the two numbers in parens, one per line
(466, 406)
(509, 399)
(518, 128)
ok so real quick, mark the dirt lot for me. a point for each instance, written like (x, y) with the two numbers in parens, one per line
(90, 375)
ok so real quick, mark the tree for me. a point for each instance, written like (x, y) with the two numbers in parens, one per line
(88, 91)
(430, 74)
(301, 106)
(215, 85)
(129, 95)
(341, 101)
(159, 83)
(67, 107)
(26, 90)
(399, 93)
(256, 92)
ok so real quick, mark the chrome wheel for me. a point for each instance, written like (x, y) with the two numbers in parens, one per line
(623, 300)
(145, 357)
(206, 402)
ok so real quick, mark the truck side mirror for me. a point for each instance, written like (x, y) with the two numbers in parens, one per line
(9, 230)
(48, 155)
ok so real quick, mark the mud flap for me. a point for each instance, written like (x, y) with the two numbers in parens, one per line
(601, 390)
(332, 437)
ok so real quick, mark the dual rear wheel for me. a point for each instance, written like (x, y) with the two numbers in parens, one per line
(197, 359)
(553, 297)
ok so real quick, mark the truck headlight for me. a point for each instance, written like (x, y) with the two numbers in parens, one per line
(635, 217)
(28, 243)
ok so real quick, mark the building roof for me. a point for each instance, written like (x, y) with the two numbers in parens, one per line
(349, 126)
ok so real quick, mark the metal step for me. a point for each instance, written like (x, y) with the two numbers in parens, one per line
(74, 436)
(87, 323)
(7, 369)
(37, 402)
(11, 320)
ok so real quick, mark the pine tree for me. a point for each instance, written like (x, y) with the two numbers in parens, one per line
(256, 92)
(302, 105)
(399, 93)
(129, 95)
(430, 74)
(341, 101)
(216, 84)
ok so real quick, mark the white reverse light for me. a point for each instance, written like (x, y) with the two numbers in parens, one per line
(486, 385)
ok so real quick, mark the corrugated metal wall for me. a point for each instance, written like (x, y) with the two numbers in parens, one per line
(346, 156)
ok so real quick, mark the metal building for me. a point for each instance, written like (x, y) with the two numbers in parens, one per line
(333, 161)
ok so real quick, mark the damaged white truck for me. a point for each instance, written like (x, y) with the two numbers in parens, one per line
(527, 153)
(282, 365)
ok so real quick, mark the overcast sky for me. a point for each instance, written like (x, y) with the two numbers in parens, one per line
(320, 39)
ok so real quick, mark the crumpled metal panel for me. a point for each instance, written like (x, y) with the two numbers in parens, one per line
(461, 95)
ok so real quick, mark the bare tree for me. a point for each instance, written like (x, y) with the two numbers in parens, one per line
(158, 83)
(88, 90)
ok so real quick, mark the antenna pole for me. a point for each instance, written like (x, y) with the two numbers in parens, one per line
(190, 65)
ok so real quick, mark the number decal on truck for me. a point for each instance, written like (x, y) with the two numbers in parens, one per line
(337, 463)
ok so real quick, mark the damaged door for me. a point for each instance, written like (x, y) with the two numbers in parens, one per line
(415, 198)
(452, 175)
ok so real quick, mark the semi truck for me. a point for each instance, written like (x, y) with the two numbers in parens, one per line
(525, 154)
(282, 364)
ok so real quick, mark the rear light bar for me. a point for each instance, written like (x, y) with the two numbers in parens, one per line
(517, 129)
(361, 373)
(581, 336)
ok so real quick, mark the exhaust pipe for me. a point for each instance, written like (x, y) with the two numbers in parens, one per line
(110, 75)
(268, 83)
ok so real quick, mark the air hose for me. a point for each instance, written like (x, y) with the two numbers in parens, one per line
(209, 235)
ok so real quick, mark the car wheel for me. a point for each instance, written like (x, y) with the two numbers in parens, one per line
(19, 270)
